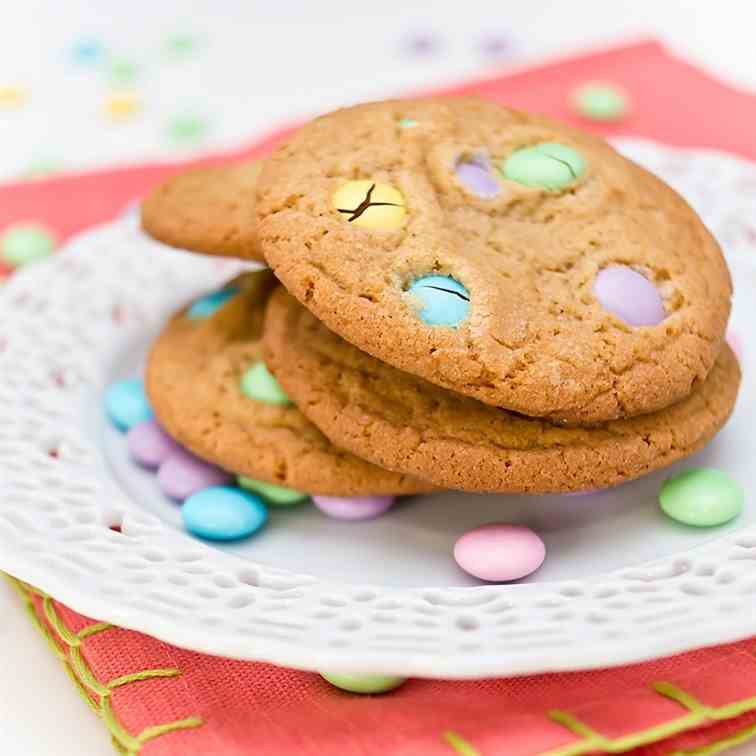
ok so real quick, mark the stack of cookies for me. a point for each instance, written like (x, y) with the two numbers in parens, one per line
(458, 296)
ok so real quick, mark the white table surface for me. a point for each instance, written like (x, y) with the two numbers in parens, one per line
(258, 63)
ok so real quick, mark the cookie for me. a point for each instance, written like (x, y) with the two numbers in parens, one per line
(404, 423)
(210, 210)
(202, 375)
(498, 254)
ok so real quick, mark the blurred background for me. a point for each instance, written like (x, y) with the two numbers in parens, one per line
(86, 83)
(93, 84)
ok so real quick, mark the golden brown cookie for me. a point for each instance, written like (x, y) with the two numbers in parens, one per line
(402, 422)
(210, 210)
(498, 254)
(193, 381)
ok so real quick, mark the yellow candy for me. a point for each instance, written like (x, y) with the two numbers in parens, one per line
(369, 204)
(121, 105)
(12, 97)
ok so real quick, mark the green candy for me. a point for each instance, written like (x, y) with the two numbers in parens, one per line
(187, 128)
(123, 71)
(26, 243)
(702, 496)
(275, 496)
(364, 683)
(408, 123)
(259, 383)
(600, 102)
(181, 45)
(548, 165)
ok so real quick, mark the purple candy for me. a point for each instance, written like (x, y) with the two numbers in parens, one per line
(183, 474)
(475, 174)
(353, 508)
(629, 295)
(149, 444)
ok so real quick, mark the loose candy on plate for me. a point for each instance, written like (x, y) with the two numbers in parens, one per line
(149, 444)
(703, 497)
(364, 683)
(223, 513)
(497, 552)
(353, 507)
(182, 474)
(126, 404)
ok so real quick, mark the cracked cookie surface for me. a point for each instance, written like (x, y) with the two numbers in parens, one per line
(523, 214)
(193, 380)
(208, 210)
(402, 422)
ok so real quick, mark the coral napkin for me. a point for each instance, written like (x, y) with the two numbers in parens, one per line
(158, 700)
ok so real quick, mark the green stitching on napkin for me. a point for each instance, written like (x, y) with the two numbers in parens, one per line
(96, 693)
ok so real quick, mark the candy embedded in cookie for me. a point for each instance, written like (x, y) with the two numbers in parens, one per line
(549, 165)
(443, 300)
(629, 295)
(367, 204)
(259, 383)
(526, 213)
(476, 175)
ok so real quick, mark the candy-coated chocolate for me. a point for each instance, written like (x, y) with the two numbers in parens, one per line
(182, 474)
(548, 165)
(275, 496)
(353, 507)
(629, 295)
(445, 301)
(126, 404)
(211, 303)
(703, 497)
(498, 552)
(223, 513)
(259, 383)
(475, 174)
(408, 123)
(365, 684)
(149, 444)
(25, 243)
(370, 204)
(600, 102)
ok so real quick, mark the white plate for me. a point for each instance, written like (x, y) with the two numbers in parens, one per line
(621, 582)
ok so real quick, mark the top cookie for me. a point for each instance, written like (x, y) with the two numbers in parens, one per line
(209, 210)
(498, 254)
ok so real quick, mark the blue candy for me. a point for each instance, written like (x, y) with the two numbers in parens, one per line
(87, 51)
(223, 513)
(210, 303)
(126, 404)
(446, 302)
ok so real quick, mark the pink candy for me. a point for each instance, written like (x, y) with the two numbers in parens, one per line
(498, 552)
(354, 507)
